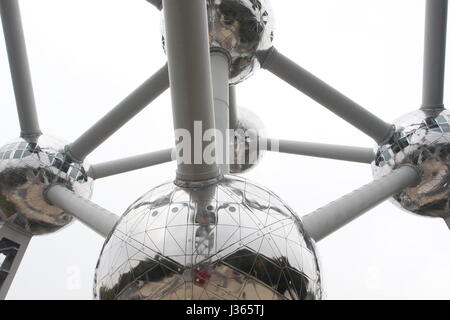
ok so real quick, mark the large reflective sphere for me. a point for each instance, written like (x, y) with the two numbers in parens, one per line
(241, 28)
(422, 138)
(246, 143)
(27, 169)
(233, 240)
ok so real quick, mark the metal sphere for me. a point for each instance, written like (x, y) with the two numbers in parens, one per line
(247, 152)
(422, 138)
(241, 28)
(27, 168)
(232, 240)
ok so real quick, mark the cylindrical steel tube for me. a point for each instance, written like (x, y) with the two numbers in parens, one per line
(120, 115)
(98, 219)
(323, 222)
(220, 75)
(327, 96)
(111, 168)
(321, 150)
(434, 57)
(20, 70)
(191, 86)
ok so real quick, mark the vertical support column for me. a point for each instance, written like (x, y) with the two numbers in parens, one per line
(233, 107)
(20, 70)
(191, 85)
(435, 49)
(220, 67)
(13, 244)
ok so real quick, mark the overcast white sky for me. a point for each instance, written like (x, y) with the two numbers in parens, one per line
(87, 55)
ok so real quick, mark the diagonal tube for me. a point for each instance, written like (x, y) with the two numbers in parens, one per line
(120, 115)
(189, 61)
(321, 150)
(115, 167)
(327, 96)
(20, 70)
(434, 57)
(96, 218)
(325, 221)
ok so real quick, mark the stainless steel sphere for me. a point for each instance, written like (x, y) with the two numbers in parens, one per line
(27, 168)
(246, 144)
(422, 138)
(241, 28)
(232, 240)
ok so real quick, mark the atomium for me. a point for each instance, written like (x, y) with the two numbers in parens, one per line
(207, 235)
(422, 139)
(27, 168)
(241, 29)
(232, 240)
(246, 143)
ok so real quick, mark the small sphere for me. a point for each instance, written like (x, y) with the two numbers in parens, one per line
(422, 139)
(27, 168)
(249, 134)
(241, 28)
(232, 240)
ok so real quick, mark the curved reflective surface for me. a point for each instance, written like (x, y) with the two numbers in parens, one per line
(242, 28)
(248, 134)
(422, 138)
(232, 240)
(27, 168)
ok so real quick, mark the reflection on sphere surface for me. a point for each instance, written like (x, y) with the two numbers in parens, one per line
(232, 240)
(422, 139)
